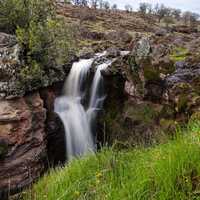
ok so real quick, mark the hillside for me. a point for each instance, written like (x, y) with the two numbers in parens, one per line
(101, 29)
(123, 85)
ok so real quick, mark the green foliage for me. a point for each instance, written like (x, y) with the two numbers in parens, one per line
(13, 13)
(45, 39)
(32, 74)
(163, 172)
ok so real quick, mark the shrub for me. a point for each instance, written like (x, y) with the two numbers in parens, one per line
(44, 38)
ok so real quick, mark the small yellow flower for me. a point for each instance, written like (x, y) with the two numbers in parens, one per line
(98, 175)
(97, 181)
(77, 193)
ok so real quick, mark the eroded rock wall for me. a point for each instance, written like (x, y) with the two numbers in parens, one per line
(22, 141)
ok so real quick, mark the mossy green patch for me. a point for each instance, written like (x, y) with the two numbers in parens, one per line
(144, 112)
(179, 54)
(150, 73)
(182, 103)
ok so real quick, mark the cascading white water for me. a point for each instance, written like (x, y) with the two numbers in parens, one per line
(72, 113)
(76, 119)
(97, 95)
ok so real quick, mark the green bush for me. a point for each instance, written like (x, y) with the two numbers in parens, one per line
(44, 38)
(13, 13)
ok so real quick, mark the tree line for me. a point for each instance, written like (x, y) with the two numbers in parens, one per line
(159, 10)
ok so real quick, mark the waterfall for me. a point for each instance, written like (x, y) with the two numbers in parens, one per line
(97, 93)
(76, 118)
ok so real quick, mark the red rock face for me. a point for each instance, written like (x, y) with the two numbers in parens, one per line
(22, 134)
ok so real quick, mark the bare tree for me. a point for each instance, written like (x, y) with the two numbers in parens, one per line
(84, 3)
(190, 18)
(128, 8)
(145, 8)
(176, 13)
(161, 11)
(80, 2)
(94, 3)
(101, 4)
(106, 5)
(76, 2)
(114, 7)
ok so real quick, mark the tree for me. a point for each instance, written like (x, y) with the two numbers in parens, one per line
(94, 3)
(114, 7)
(145, 8)
(190, 17)
(161, 11)
(13, 13)
(76, 2)
(44, 38)
(101, 4)
(176, 13)
(128, 8)
(106, 5)
(84, 3)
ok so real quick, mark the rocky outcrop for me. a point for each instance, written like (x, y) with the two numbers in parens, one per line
(17, 79)
(22, 142)
(29, 129)
(9, 66)
(162, 86)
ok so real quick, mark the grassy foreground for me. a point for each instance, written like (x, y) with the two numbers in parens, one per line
(169, 171)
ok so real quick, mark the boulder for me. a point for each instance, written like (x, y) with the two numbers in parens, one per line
(141, 49)
(161, 32)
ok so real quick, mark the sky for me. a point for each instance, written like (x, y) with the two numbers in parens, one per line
(185, 5)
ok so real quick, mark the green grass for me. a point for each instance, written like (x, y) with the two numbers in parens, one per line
(169, 171)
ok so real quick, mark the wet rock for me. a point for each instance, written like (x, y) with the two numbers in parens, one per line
(54, 127)
(3, 148)
(112, 52)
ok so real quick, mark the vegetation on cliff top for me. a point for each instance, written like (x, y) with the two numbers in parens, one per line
(167, 171)
(45, 40)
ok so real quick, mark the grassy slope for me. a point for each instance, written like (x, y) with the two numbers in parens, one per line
(166, 171)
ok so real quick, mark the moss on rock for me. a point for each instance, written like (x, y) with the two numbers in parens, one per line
(179, 54)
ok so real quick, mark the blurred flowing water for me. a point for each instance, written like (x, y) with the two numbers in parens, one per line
(78, 119)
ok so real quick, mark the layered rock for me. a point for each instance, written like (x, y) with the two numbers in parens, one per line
(22, 142)
(26, 133)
